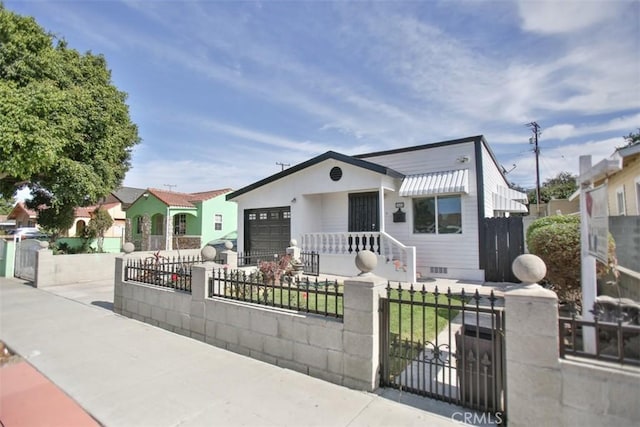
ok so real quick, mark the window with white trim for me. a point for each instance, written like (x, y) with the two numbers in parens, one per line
(437, 215)
(217, 222)
(180, 224)
(620, 200)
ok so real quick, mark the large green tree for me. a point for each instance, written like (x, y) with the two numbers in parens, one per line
(65, 129)
(6, 205)
(559, 187)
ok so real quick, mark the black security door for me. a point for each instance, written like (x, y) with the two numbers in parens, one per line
(364, 212)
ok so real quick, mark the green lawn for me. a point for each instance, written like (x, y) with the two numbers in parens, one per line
(312, 299)
(414, 322)
(412, 325)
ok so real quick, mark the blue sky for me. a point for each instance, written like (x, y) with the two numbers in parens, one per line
(224, 90)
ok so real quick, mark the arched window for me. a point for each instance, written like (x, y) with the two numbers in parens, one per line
(80, 227)
(157, 225)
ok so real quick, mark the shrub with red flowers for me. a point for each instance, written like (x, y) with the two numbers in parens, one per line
(272, 271)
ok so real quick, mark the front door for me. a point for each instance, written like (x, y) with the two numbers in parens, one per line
(364, 212)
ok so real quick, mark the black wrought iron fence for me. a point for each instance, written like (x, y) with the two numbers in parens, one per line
(310, 263)
(445, 345)
(617, 341)
(246, 259)
(168, 272)
(293, 293)
(310, 260)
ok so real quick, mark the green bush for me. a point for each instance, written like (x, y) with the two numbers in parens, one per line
(556, 240)
(551, 220)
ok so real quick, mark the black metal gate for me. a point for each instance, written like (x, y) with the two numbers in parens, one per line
(448, 346)
(310, 263)
(503, 243)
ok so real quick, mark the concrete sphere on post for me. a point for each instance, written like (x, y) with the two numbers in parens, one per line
(293, 243)
(208, 253)
(128, 247)
(529, 268)
(44, 244)
(228, 245)
(366, 261)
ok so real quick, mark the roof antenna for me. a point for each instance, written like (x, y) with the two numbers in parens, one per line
(170, 186)
(504, 171)
(282, 164)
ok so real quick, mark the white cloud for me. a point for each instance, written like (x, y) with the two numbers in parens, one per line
(623, 124)
(564, 16)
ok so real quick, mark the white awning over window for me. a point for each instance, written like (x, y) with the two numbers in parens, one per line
(446, 182)
(506, 199)
(509, 193)
(504, 204)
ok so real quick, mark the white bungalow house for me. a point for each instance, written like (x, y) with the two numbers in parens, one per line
(419, 208)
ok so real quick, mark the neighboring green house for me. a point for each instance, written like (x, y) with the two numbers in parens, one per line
(195, 219)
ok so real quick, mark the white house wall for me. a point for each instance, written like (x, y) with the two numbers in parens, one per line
(492, 179)
(429, 160)
(333, 212)
(459, 253)
(319, 201)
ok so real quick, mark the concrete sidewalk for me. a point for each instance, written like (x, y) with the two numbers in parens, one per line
(128, 373)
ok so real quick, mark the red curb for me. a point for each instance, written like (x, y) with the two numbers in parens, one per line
(29, 399)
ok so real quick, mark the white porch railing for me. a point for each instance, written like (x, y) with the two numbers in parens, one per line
(401, 257)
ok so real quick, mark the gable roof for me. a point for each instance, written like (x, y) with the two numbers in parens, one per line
(185, 200)
(127, 195)
(318, 159)
(20, 206)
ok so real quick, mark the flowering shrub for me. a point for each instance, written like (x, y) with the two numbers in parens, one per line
(272, 271)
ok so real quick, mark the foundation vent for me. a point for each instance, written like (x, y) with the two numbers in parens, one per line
(438, 270)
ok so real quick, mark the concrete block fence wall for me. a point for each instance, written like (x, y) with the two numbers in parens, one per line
(54, 270)
(542, 389)
(342, 352)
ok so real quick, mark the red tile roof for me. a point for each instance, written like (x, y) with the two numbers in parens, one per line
(175, 199)
(207, 195)
(85, 212)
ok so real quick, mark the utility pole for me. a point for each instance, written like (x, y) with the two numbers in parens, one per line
(535, 128)
(282, 164)
(170, 186)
